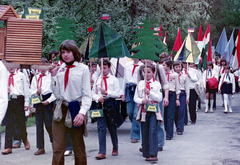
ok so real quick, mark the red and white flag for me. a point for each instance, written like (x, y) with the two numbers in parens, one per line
(165, 38)
(105, 16)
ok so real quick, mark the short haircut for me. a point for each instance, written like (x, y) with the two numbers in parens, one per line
(177, 63)
(94, 63)
(163, 55)
(168, 63)
(151, 66)
(44, 60)
(209, 63)
(227, 67)
(70, 45)
(105, 62)
(223, 60)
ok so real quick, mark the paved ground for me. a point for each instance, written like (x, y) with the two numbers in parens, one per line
(213, 140)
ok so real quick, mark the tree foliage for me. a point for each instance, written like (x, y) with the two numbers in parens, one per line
(124, 16)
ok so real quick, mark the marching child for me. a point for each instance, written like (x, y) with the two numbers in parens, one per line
(174, 91)
(227, 87)
(44, 113)
(183, 97)
(106, 90)
(18, 90)
(209, 73)
(149, 93)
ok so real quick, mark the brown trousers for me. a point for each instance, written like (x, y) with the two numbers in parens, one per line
(60, 131)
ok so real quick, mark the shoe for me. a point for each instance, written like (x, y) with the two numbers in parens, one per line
(40, 152)
(7, 151)
(179, 133)
(67, 152)
(100, 156)
(225, 111)
(160, 148)
(134, 140)
(27, 145)
(152, 158)
(230, 110)
(223, 105)
(140, 149)
(211, 110)
(168, 138)
(15, 146)
(114, 152)
(206, 110)
(193, 122)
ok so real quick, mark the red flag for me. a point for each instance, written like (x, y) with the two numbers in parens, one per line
(90, 29)
(238, 49)
(178, 42)
(160, 32)
(200, 37)
(165, 38)
(209, 57)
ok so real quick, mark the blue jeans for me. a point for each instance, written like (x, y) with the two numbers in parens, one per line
(169, 112)
(180, 113)
(69, 143)
(149, 135)
(102, 124)
(132, 111)
(160, 129)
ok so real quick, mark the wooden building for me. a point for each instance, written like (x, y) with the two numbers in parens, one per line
(20, 39)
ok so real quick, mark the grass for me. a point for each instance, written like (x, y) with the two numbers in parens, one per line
(30, 122)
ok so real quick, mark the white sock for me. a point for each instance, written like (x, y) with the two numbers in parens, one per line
(225, 100)
(206, 104)
(230, 101)
(211, 105)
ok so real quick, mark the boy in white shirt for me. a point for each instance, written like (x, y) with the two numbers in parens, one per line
(18, 90)
(105, 91)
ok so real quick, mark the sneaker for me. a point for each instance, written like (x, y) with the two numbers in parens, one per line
(230, 110)
(67, 152)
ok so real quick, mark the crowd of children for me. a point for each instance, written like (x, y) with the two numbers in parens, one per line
(158, 97)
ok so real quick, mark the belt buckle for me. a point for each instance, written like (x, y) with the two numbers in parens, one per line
(14, 97)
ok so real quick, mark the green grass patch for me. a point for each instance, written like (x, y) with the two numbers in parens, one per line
(30, 122)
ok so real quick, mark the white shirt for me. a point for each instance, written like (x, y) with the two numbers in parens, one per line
(78, 87)
(20, 87)
(112, 87)
(216, 68)
(193, 77)
(173, 81)
(45, 86)
(225, 78)
(183, 84)
(207, 74)
(128, 76)
(3, 89)
(155, 94)
(164, 82)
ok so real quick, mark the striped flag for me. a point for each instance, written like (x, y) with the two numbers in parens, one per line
(105, 16)
(236, 58)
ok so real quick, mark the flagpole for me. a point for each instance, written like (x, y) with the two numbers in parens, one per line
(230, 58)
(37, 83)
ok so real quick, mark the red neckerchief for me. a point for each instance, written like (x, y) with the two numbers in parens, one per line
(179, 77)
(11, 80)
(67, 76)
(167, 73)
(40, 80)
(105, 82)
(134, 67)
